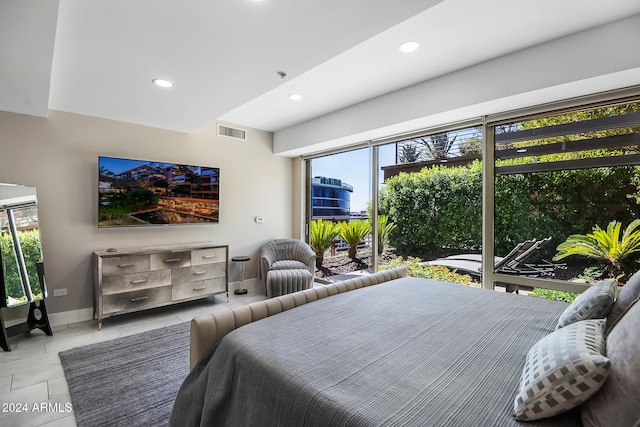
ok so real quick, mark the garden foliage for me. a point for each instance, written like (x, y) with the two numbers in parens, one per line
(416, 268)
(352, 233)
(608, 245)
(554, 295)
(384, 229)
(323, 234)
(31, 249)
(438, 211)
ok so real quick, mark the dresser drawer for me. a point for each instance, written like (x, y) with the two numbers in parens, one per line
(199, 288)
(198, 272)
(135, 281)
(124, 264)
(136, 300)
(208, 256)
(170, 260)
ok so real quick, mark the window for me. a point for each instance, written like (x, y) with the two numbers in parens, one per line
(340, 189)
(550, 172)
(564, 174)
(433, 193)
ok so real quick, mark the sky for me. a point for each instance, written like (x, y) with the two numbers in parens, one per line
(353, 167)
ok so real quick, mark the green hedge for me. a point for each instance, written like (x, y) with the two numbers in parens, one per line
(435, 210)
(438, 211)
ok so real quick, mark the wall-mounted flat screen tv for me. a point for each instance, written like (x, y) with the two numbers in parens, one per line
(145, 193)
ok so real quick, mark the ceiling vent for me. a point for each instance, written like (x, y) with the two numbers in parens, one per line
(230, 132)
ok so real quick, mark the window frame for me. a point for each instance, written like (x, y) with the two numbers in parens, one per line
(488, 123)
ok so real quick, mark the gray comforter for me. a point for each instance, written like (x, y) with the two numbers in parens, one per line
(409, 352)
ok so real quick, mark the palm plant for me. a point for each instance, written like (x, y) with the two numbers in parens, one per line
(384, 228)
(352, 232)
(607, 245)
(323, 235)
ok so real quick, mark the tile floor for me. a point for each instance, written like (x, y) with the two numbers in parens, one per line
(33, 389)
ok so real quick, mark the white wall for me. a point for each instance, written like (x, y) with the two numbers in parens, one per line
(596, 60)
(59, 155)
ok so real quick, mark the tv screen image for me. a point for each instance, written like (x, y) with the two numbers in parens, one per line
(145, 193)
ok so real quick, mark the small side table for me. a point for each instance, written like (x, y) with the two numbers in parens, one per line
(241, 260)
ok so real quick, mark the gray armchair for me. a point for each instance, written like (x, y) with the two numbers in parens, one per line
(286, 265)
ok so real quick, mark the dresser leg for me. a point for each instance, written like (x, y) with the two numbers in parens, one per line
(100, 324)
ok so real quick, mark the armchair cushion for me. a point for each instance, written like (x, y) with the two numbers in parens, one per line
(289, 264)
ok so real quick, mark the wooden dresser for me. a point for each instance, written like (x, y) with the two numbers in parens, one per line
(129, 280)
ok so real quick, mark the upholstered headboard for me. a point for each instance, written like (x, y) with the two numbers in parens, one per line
(207, 331)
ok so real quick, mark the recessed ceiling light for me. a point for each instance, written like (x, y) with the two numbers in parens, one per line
(162, 83)
(409, 46)
(295, 97)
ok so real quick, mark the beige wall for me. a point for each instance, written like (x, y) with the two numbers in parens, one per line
(59, 157)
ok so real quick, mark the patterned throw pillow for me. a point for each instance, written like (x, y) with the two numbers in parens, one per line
(594, 303)
(562, 370)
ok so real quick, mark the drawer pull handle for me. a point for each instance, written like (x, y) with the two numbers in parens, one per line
(139, 299)
(172, 260)
(127, 264)
(135, 282)
(208, 256)
(200, 289)
(199, 273)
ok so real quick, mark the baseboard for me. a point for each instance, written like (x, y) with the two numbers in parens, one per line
(72, 316)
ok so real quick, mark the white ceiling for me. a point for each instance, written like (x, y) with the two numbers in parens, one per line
(98, 58)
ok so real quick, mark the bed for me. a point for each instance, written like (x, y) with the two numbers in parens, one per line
(405, 352)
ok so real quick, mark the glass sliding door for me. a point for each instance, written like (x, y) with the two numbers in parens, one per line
(564, 174)
(496, 201)
(431, 195)
(340, 202)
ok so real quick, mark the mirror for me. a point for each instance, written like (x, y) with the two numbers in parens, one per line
(20, 247)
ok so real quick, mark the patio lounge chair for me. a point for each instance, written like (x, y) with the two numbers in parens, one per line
(512, 263)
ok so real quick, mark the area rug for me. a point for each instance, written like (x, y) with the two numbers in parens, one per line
(129, 381)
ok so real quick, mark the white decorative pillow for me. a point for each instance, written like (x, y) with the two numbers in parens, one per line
(628, 295)
(562, 370)
(617, 404)
(594, 303)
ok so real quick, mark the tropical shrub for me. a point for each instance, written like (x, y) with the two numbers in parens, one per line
(607, 245)
(352, 233)
(322, 235)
